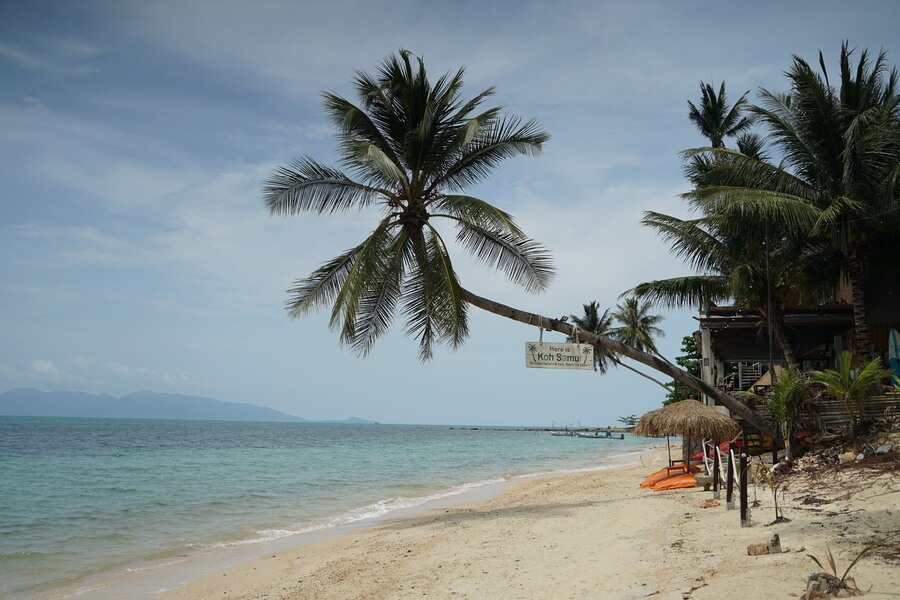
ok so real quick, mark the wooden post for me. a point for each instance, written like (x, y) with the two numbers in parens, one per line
(729, 479)
(715, 469)
(745, 508)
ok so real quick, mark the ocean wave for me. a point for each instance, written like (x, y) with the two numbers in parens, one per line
(369, 512)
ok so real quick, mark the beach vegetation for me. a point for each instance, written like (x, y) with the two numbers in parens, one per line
(770, 477)
(788, 397)
(732, 265)
(739, 258)
(638, 327)
(629, 421)
(822, 583)
(853, 387)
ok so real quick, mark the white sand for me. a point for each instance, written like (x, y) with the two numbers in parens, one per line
(594, 535)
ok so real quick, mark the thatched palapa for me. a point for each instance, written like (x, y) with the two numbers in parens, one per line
(687, 418)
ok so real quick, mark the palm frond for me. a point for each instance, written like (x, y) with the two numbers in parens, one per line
(696, 291)
(525, 262)
(372, 273)
(495, 142)
(433, 304)
(377, 303)
(308, 186)
(322, 286)
(474, 210)
(689, 241)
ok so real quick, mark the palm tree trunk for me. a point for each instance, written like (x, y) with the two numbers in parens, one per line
(779, 336)
(657, 364)
(784, 343)
(860, 313)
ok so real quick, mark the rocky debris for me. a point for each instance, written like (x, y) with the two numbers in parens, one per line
(825, 585)
(846, 457)
(773, 546)
(881, 444)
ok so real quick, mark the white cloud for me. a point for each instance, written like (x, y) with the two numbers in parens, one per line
(51, 54)
(44, 367)
(81, 362)
(81, 245)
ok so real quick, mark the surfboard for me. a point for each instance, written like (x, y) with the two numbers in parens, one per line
(894, 352)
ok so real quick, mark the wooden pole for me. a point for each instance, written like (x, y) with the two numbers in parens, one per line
(729, 490)
(745, 508)
(715, 469)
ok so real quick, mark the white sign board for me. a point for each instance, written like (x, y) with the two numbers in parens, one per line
(554, 355)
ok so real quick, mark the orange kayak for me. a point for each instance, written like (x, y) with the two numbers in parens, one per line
(676, 482)
(667, 472)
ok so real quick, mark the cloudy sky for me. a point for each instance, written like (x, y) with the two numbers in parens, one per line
(135, 253)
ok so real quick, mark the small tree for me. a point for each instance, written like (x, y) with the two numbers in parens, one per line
(789, 394)
(629, 421)
(690, 362)
(853, 389)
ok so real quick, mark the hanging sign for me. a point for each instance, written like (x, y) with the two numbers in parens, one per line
(554, 355)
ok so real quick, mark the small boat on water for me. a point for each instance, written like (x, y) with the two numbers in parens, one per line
(600, 435)
(563, 433)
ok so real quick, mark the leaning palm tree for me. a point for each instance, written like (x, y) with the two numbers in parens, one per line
(411, 148)
(715, 119)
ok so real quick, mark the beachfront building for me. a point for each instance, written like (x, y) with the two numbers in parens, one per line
(734, 342)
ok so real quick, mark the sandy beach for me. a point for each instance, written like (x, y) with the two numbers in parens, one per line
(593, 535)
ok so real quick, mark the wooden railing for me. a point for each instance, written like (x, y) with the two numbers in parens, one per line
(831, 412)
(834, 413)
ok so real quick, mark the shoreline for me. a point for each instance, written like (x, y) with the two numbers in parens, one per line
(586, 535)
(144, 581)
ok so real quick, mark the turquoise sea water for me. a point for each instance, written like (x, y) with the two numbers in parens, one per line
(81, 499)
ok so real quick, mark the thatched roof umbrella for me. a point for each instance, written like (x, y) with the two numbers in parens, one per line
(687, 418)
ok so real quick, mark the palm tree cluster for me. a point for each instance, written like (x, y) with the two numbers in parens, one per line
(631, 324)
(411, 148)
(770, 234)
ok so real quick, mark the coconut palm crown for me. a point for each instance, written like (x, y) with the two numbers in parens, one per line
(715, 119)
(594, 322)
(637, 326)
(410, 148)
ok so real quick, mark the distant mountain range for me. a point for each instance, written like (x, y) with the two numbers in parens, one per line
(29, 402)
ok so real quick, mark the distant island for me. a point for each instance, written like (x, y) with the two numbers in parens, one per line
(30, 402)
